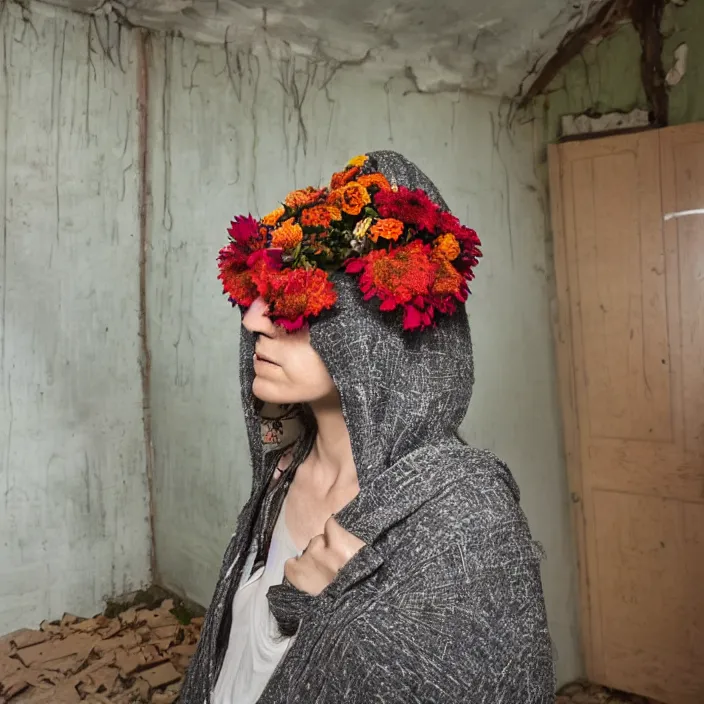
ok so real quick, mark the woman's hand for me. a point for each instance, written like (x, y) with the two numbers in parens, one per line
(324, 557)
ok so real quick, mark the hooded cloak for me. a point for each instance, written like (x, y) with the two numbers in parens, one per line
(444, 604)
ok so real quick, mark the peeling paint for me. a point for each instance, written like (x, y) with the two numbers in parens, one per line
(685, 25)
(447, 44)
(679, 67)
(606, 78)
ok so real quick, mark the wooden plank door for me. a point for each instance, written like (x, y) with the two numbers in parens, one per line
(629, 254)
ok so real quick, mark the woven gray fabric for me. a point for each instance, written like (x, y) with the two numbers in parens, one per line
(445, 602)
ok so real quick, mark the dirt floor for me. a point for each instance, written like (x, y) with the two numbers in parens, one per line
(137, 653)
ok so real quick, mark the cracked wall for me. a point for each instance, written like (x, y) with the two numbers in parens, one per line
(235, 131)
(73, 518)
(468, 45)
(229, 131)
(606, 76)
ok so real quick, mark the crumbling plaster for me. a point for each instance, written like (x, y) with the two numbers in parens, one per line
(606, 78)
(473, 45)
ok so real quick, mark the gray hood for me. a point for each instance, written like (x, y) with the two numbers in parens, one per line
(399, 390)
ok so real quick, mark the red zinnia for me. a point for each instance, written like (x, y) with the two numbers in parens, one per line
(468, 240)
(411, 207)
(395, 277)
(243, 230)
(295, 295)
(236, 277)
(447, 222)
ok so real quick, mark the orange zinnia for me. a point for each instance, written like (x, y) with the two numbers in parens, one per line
(448, 280)
(447, 246)
(288, 236)
(273, 217)
(387, 229)
(350, 198)
(341, 178)
(304, 196)
(320, 216)
(378, 180)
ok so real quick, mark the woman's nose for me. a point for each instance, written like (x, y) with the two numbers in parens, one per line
(256, 319)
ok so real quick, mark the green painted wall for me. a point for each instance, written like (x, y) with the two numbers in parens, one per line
(606, 76)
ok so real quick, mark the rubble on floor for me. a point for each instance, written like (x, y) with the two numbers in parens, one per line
(587, 693)
(139, 655)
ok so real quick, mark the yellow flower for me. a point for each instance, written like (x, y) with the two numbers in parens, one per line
(360, 229)
(447, 246)
(273, 217)
(358, 161)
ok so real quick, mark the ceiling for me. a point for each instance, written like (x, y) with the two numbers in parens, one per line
(488, 46)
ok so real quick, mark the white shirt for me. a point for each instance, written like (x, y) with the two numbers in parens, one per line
(255, 647)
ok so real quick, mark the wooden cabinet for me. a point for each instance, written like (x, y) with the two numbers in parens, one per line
(628, 221)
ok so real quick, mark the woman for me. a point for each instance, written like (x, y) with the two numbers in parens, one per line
(379, 558)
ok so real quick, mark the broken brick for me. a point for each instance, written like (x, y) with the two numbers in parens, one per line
(26, 639)
(125, 640)
(186, 649)
(13, 686)
(112, 629)
(129, 617)
(101, 681)
(90, 625)
(138, 655)
(166, 632)
(157, 618)
(160, 675)
(76, 644)
(51, 628)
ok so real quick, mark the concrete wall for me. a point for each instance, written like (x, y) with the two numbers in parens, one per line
(235, 132)
(73, 505)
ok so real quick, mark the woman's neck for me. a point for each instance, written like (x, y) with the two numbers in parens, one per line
(331, 461)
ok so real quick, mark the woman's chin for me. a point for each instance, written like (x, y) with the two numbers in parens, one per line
(266, 391)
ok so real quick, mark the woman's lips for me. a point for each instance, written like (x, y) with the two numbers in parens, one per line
(262, 358)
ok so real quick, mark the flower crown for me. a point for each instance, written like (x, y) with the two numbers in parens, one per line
(404, 249)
